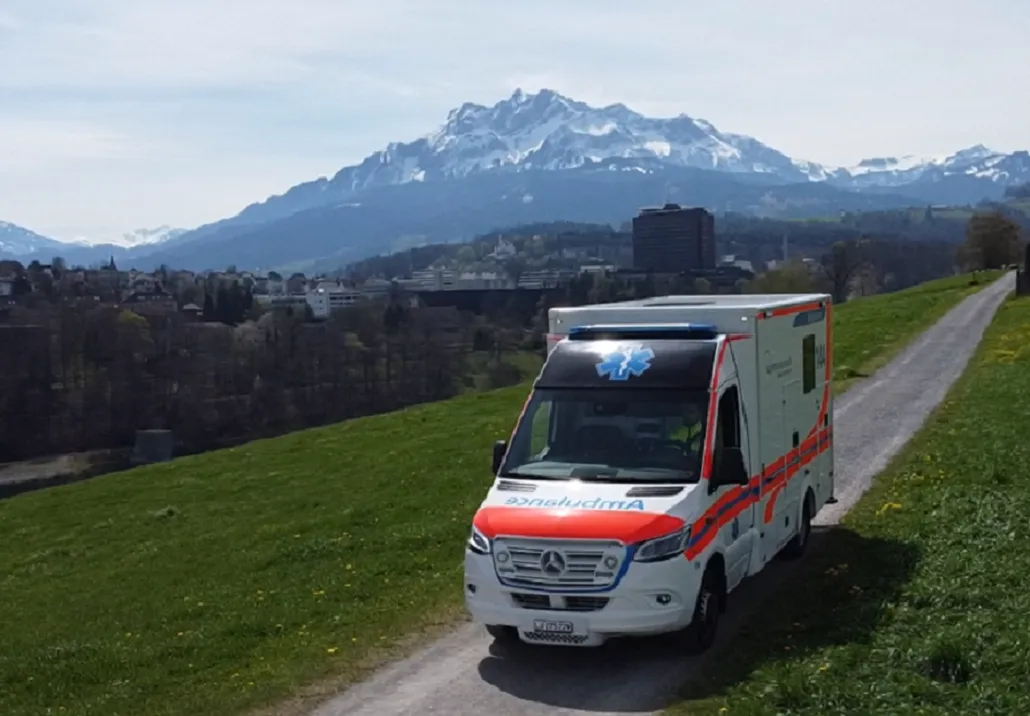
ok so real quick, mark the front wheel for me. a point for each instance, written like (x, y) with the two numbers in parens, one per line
(704, 626)
(503, 634)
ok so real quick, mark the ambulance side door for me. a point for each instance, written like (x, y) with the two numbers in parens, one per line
(737, 533)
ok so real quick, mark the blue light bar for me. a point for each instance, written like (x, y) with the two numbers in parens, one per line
(695, 331)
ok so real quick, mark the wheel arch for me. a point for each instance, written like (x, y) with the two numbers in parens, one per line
(717, 566)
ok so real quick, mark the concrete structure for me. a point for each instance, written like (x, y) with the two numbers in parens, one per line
(329, 297)
(450, 280)
(672, 239)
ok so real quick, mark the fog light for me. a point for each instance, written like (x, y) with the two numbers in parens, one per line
(502, 557)
(663, 599)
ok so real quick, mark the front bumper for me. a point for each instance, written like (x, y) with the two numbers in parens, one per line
(652, 598)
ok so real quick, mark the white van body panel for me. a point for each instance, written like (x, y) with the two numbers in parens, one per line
(775, 351)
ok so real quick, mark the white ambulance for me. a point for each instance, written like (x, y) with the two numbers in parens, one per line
(670, 448)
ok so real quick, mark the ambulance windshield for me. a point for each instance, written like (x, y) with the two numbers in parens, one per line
(611, 435)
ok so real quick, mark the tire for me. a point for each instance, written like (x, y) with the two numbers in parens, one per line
(799, 544)
(704, 627)
(503, 634)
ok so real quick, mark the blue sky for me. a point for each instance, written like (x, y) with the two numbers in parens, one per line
(122, 114)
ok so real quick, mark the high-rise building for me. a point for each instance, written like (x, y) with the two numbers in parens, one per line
(672, 239)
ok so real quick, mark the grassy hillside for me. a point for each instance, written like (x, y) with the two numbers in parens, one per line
(871, 331)
(920, 604)
(228, 580)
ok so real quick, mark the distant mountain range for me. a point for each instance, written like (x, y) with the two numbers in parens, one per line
(544, 157)
(20, 243)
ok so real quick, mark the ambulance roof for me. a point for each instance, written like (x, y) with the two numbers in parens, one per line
(756, 301)
(734, 314)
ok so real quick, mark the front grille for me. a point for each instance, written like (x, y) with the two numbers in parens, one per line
(532, 601)
(558, 603)
(585, 604)
(586, 563)
(555, 638)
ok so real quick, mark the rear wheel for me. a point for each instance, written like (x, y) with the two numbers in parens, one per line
(797, 546)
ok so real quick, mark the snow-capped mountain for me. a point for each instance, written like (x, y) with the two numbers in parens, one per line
(136, 238)
(551, 132)
(18, 241)
(23, 244)
(149, 237)
(547, 131)
(545, 157)
(976, 162)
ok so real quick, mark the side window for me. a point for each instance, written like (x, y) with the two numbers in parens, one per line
(727, 431)
(540, 434)
(808, 363)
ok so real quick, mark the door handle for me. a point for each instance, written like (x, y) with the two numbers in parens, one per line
(709, 520)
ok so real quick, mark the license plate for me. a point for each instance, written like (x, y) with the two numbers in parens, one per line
(549, 627)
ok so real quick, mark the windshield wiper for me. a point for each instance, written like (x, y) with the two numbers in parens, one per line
(529, 476)
(627, 480)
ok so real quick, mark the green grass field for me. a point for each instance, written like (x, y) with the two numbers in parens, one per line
(920, 602)
(227, 581)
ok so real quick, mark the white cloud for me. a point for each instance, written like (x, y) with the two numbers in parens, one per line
(44, 143)
(195, 107)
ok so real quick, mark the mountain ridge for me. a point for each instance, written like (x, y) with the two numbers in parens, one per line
(542, 134)
(506, 154)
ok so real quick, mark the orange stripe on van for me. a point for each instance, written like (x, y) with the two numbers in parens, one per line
(626, 526)
(758, 488)
(713, 392)
(789, 310)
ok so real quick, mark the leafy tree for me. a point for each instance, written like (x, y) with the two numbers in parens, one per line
(992, 241)
(792, 277)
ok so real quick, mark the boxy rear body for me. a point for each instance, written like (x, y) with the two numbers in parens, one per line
(764, 364)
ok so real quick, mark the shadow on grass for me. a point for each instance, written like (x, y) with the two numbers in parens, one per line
(788, 610)
(848, 373)
(836, 597)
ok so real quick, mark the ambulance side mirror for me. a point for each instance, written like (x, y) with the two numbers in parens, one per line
(500, 447)
(730, 469)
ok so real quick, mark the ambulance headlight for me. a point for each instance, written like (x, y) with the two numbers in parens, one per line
(478, 542)
(662, 548)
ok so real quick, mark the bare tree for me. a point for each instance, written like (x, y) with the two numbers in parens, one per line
(841, 265)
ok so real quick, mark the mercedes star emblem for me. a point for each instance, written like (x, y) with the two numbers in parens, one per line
(552, 562)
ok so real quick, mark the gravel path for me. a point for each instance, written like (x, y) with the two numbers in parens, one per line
(465, 674)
